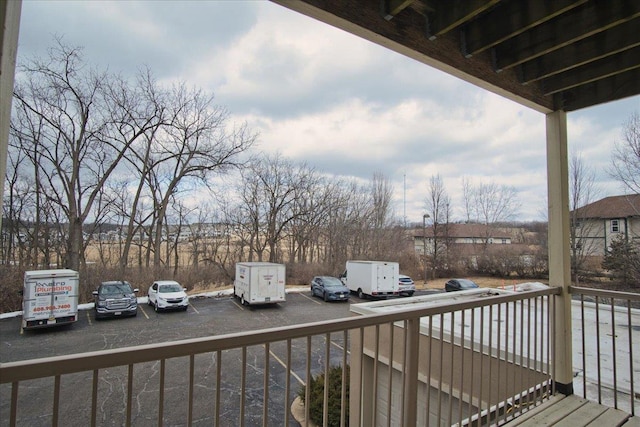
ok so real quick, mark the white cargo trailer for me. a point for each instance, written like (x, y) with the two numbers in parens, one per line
(259, 283)
(372, 278)
(50, 298)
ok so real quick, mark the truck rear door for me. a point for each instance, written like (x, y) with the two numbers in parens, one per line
(268, 283)
(387, 279)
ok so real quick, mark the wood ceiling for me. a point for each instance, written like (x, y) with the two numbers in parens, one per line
(547, 54)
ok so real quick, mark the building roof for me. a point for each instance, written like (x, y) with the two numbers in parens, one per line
(547, 55)
(478, 231)
(611, 207)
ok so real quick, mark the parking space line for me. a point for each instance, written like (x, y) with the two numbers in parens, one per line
(237, 305)
(143, 312)
(284, 365)
(309, 298)
(89, 318)
(337, 345)
(194, 309)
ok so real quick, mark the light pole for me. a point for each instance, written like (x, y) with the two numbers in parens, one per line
(424, 244)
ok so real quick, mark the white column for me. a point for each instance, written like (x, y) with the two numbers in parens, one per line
(559, 244)
(10, 17)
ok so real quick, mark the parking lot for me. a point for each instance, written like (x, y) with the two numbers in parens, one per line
(206, 316)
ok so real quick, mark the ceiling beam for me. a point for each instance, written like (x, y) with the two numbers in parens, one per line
(603, 68)
(618, 39)
(514, 18)
(449, 14)
(592, 18)
(601, 91)
(390, 8)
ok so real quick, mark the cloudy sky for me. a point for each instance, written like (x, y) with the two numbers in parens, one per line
(316, 94)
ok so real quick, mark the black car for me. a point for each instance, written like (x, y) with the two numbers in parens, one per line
(459, 285)
(329, 288)
(115, 299)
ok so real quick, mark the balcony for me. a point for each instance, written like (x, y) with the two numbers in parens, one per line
(473, 358)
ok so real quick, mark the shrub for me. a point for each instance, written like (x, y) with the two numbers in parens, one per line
(316, 396)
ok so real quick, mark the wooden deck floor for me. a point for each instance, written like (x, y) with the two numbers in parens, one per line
(574, 411)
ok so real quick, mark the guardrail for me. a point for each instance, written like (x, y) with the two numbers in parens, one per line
(482, 362)
(605, 360)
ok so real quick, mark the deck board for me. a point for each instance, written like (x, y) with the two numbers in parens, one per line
(573, 411)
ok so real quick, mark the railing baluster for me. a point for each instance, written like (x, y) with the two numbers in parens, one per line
(498, 359)
(375, 374)
(307, 391)
(430, 363)
(94, 398)
(129, 395)
(13, 417)
(243, 383)
(522, 381)
(161, 394)
(343, 389)
(598, 351)
(551, 341)
(389, 394)
(265, 386)
(218, 386)
(614, 354)
(439, 413)
(489, 400)
(327, 360)
(362, 376)
(404, 373)
(632, 393)
(56, 401)
(287, 384)
(482, 347)
(452, 352)
(584, 349)
(192, 363)
(462, 363)
(472, 368)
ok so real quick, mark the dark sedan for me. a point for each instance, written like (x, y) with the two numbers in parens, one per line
(459, 285)
(329, 288)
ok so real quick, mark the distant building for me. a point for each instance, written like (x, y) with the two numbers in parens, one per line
(462, 234)
(599, 223)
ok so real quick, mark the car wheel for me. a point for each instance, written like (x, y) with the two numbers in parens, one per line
(360, 294)
(155, 307)
(324, 296)
(185, 308)
(242, 301)
(149, 301)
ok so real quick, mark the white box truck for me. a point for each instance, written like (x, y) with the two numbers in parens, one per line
(49, 298)
(377, 279)
(259, 283)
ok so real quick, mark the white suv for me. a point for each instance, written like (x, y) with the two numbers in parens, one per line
(406, 285)
(168, 294)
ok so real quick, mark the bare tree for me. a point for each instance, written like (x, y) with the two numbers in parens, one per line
(492, 203)
(625, 159)
(192, 147)
(82, 135)
(582, 192)
(438, 206)
(272, 190)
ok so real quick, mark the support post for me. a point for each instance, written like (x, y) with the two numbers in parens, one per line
(10, 20)
(559, 245)
(411, 372)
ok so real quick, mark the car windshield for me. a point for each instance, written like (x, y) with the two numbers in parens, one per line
(115, 289)
(332, 282)
(466, 284)
(169, 288)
